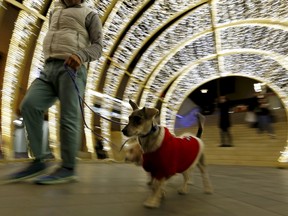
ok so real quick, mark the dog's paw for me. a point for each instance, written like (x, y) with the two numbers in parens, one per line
(190, 182)
(208, 188)
(182, 191)
(152, 203)
(208, 191)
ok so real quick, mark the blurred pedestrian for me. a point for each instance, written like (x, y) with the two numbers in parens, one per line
(251, 117)
(265, 118)
(224, 122)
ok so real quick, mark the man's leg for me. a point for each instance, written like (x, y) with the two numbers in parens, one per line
(39, 98)
(71, 117)
(222, 137)
(70, 125)
(260, 124)
(229, 136)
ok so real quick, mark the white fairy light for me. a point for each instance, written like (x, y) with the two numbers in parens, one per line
(2, 5)
(151, 20)
(16, 56)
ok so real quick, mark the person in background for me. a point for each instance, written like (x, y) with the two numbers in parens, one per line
(74, 38)
(250, 116)
(224, 122)
(264, 118)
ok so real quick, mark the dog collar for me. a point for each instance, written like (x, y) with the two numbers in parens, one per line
(153, 129)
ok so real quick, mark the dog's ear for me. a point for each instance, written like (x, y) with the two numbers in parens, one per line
(150, 112)
(133, 105)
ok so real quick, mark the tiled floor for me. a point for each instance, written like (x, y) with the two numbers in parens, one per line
(111, 189)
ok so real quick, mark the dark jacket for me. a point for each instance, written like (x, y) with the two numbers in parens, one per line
(224, 118)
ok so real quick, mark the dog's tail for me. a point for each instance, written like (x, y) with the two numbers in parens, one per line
(201, 120)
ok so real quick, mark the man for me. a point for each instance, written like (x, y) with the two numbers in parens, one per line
(224, 122)
(73, 39)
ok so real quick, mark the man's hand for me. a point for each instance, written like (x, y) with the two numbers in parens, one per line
(73, 61)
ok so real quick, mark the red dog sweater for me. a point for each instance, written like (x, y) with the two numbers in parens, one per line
(175, 155)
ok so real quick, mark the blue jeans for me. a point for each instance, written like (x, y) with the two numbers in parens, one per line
(55, 83)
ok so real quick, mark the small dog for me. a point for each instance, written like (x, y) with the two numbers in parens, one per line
(134, 152)
(164, 155)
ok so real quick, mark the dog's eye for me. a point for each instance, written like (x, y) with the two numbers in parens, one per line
(137, 120)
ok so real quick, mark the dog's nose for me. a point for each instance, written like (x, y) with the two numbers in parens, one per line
(124, 131)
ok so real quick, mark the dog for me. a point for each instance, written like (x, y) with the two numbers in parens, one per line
(134, 152)
(164, 155)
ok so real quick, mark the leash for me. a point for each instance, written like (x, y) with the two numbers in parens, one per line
(73, 75)
(122, 146)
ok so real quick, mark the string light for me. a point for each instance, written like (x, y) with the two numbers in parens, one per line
(22, 32)
(38, 57)
(34, 5)
(2, 5)
(169, 40)
(119, 17)
(150, 21)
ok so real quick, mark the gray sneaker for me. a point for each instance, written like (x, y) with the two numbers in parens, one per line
(59, 176)
(33, 169)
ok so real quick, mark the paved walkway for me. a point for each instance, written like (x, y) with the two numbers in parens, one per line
(111, 189)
